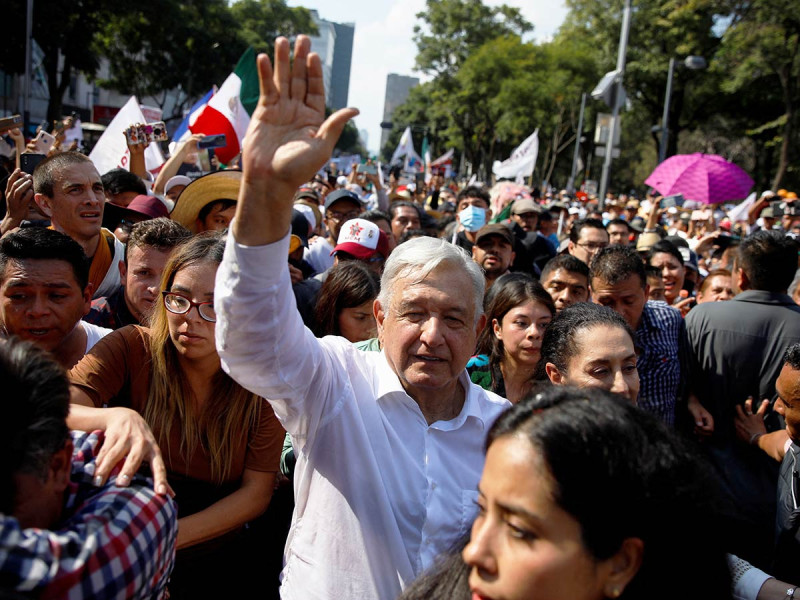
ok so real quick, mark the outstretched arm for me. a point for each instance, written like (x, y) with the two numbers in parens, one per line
(287, 142)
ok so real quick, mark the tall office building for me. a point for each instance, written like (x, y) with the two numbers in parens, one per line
(397, 89)
(334, 44)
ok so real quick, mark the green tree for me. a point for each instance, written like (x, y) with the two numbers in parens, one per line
(62, 29)
(169, 45)
(452, 29)
(660, 30)
(761, 50)
(261, 21)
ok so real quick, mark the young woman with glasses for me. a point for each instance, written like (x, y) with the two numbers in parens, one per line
(220, 443)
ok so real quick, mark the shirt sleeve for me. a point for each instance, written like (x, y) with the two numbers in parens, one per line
(103, 372)
(119, 544)
(264, 345)
(265, 443)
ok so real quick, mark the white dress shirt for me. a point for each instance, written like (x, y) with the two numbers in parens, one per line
(379, 493)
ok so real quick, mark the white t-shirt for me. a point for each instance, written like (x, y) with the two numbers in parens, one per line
(94, 333)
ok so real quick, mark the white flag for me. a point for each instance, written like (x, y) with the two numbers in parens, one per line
(406, 148)
(739, 212)
(521, 162)
(111, 150)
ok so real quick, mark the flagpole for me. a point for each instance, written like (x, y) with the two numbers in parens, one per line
(26, 98)
(576, 155)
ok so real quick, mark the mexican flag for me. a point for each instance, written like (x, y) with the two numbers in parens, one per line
(230, 108)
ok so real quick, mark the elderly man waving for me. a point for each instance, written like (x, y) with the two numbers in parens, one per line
(389, 445)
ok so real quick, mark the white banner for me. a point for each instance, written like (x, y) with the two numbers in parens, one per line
(521, 162)
(111, 150)
(739, 212)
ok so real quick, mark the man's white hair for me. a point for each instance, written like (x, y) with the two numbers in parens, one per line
(418, 257)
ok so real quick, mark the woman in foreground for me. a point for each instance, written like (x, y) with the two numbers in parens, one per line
(585, 497)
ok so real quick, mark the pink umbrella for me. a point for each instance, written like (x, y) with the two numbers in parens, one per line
(707, 178)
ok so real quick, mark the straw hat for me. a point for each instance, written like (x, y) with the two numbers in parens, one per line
(220, 185)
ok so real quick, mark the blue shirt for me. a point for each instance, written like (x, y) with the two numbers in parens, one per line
(661, 340)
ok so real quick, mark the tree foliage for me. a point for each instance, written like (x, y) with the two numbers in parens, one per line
(452, 29)
(60, 28)
(261, 21)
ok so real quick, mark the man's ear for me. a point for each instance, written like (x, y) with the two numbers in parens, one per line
(88, 291)
(61, 466)
(44, 203)
(480, 325)
(570, 247)
(488, 214)
(553, 374)
(380, 315)
(623, 566)
(123, 271)
(742, 281)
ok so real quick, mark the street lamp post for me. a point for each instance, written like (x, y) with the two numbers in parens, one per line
(618, 98)
(691, 62)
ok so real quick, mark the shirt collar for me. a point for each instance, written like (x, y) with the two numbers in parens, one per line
(764, 297)
(388, 383)
(648, 322)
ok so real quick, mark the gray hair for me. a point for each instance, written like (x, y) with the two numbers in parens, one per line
(417, 258)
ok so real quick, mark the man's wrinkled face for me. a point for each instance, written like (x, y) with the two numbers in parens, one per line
(717, 288)
(494, 254)
(76, 207)
(41, 301)
(429, 330)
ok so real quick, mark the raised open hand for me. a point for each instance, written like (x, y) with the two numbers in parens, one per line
(289, 138)
(287, 142)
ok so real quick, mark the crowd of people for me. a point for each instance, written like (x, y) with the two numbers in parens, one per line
(280, 379)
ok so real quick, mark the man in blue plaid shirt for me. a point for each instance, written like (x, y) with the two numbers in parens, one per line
(618, 280)
(60, 536)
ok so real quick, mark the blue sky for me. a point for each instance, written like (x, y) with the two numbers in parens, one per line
(383, 44)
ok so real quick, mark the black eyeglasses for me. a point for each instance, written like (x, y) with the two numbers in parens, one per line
(180, 305)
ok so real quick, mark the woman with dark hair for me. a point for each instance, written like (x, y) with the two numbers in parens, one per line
(588, 345)
(585, 497)
(517, 314)
(344, 303)
(665, 256)
(221, 443)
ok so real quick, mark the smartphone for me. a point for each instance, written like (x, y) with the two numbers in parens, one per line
(672, 201)
(43, 142)
(8, 123)
(368, 169)
(213, 141)
(158, 132)
(777, 208)
(29, 161)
